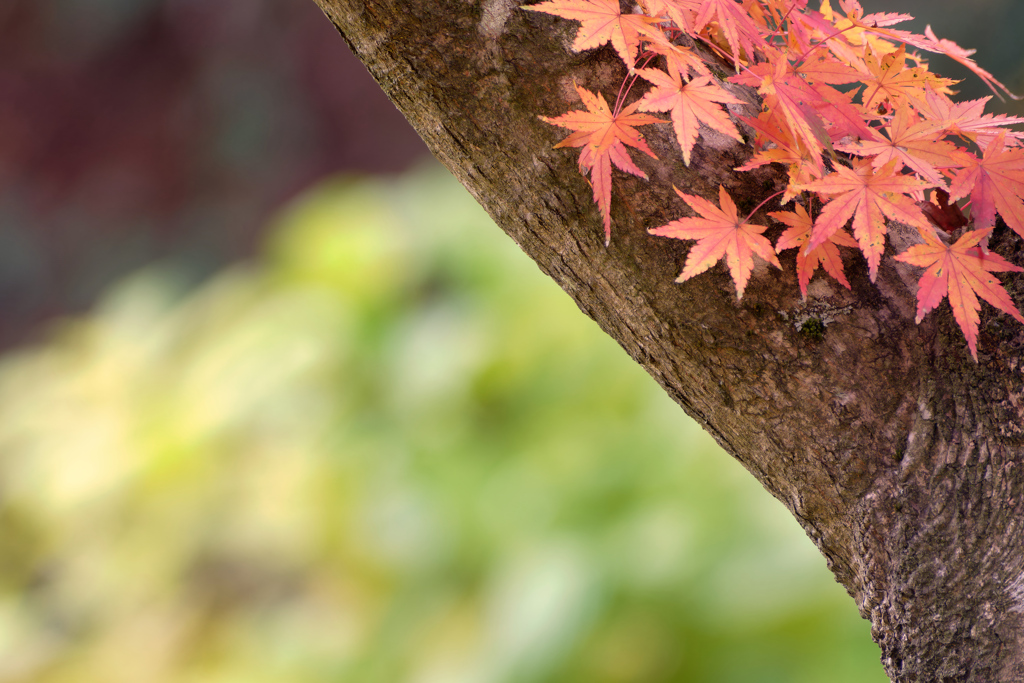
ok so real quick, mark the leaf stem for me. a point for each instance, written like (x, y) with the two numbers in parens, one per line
(766, 200)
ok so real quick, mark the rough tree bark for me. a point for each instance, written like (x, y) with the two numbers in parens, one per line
(899, 456)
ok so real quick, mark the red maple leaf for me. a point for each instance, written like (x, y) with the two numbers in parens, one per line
(604, 136)
(690, 105)
(789, 99)
(777, 146)
(995, 183)
(843, 117)
(826, 254)
(736, 25)
(959, 54)
(869, 196)
(943, 215)
(601, 21)
(963, 272)
(720, 234)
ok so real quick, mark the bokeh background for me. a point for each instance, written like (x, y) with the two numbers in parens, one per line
(264, 417)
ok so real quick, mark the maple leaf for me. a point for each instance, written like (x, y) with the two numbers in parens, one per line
(873, 28)
(914, 144)
(869, 196)
(604, 137)
(799, 34)
(719, 234)
(844, 119)
(677, 57)
(820, 68)
(847, 36)
(679, 11)
(736, 25)
(690, 105)
(826, 254)
(967, 119)
(791, 100)
(601, 21)
(891, 79)
(780, 10)
(959, 54)
(793, 57)
(802, 168)
(793, 95)
(872, 25)
(961, 272)
(995, 183)
(943, 215)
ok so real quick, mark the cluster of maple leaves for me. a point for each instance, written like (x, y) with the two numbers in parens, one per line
(867, 150)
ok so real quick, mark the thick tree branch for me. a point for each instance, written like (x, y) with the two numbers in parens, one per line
(899, 455)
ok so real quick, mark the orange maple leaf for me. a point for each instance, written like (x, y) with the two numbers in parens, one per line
(873, 23)
(720, 234)
(690, 105)
(995, 183)
(601, 21)
(916, 144)
(968, 119)
(777, 146)
(869, 196)
(963, 272)
(679, 11)
(604, 136)
(891, 79)
(847, 36)
(678, 57)
(826, 254)
(818, 67)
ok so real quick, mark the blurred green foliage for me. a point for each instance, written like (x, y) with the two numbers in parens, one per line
(390, 451)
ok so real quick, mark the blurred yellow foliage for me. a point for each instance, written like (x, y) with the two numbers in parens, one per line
(390, 451)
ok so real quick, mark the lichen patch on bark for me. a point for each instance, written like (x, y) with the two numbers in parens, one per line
(495, 14)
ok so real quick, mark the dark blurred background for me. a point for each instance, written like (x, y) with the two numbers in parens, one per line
(139, 130)
(134, 131)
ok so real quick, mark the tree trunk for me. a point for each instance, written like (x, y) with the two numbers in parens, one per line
(897, 453)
